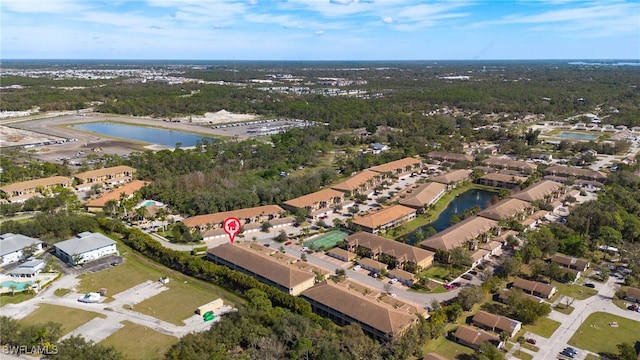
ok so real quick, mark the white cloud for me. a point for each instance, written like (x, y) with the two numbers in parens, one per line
(592, 20)
(43, 6)
(319, 32)
(387, 20)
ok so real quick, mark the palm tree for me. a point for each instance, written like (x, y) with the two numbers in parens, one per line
(13, 288)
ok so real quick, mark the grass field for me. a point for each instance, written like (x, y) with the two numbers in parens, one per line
(577, 292)
(564, 309)
(447, 348)
(178, 303)
(139, 342)
(69, 318)
(326, 241)
(118, 278)
(597, 336)
(17, 298)
(544, 327)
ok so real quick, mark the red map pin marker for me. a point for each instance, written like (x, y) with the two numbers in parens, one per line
(231, 227)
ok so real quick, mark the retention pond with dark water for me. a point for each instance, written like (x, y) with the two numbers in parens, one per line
(457, 206)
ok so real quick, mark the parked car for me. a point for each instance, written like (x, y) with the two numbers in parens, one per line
(531, 341)
(473, 272)
(304, 249)
(393, 281)
(567, 353)
(288, 243)
(590, 285)
(467, 276)
(374, 274)
(357, 267)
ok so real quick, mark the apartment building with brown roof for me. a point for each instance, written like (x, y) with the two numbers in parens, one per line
(544, 190)
(345, 305)
(425, 195)
(319, 203)
(400, 167)
(570, 262)
(633, 294)
(453, 178)
(474, 337)
(502, 180)
(255, 260)
(466, 233)
(110, 176)
(508, 164)
(496, 323)
(535, 288)
(448, 157)
(359, 183)
(128, 189)
(24, 190)
(384, 219)
(508, 209)
(248, 216)
(578, 173)
(392, 251)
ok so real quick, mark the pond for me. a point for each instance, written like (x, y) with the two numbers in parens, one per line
(578, 136)
(163, 137)
(462, 202)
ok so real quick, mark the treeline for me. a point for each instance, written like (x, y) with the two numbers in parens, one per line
(406, 92)
(44, 340)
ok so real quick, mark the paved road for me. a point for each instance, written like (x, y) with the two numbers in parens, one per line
(115, 311)
(551, 347)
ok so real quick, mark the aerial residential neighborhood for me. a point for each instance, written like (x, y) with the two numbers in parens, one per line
(433, 239)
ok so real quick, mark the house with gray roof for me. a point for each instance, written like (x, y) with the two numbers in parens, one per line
(12, 246)
(85, 247)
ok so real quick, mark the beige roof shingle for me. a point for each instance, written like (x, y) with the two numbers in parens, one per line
(425, 194)
(128, 189)
(104, 172)
(533, 286)
(498, 322)
(474, 336)
(31, 184)
(538, 191)
(262, 264)
(505, 209)
(366, 310)
(452, 177)
(217, 218)
(383, 216)
(356, 181)
(400, 251)
(401, 165)
(313, 198)
(459, 234)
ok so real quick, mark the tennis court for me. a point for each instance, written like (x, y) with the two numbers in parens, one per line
(326, 241)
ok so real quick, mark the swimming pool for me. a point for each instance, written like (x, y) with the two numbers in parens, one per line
(576, 135)
(148, 203)
(19, 285)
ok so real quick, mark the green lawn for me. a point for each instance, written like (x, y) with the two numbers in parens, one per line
(544, 327)
(17, 298)
(139, 342)
(61, 292)
(177, 303)
(118, 278)
(597, 336)
(562, 308)
(137, 269)
(69, 318)
(592, 357)
(447, 348)
(531, 347)
(577, 292)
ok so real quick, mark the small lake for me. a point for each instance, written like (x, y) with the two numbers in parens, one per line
(578, 136)
(163, 137)
(462, 202)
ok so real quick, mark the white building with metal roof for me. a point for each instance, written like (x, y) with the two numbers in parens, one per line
(85, 247)
(12, 246)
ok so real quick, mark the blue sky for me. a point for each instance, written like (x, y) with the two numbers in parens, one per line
(319, 29)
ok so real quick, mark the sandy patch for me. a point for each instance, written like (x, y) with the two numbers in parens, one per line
(219, 117)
